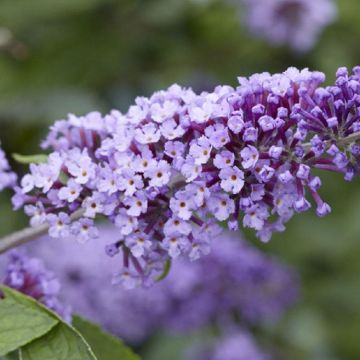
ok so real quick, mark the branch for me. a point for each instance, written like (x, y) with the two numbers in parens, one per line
(31, 233)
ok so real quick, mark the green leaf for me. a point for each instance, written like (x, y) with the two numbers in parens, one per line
(21, 321)
(61, 343)
(15, 355)
(30, 159)
(105, 346)
(165, 272)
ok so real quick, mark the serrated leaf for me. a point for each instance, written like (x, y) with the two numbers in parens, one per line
(61, 343)
(21, 321)
(104, 345)
(30, 159)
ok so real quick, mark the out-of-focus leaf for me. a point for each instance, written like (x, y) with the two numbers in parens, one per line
(30, 159)
(30, 107)
(39, 9)
(165, 346)
(105, 346)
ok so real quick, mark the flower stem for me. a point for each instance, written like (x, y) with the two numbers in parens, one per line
(339, 142)
(31, 233)
(165, 272)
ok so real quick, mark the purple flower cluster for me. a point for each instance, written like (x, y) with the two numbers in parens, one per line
(29, 276)
(177, 163)
(7, 177)
(296, 23)
(237, 345)
(235, 279)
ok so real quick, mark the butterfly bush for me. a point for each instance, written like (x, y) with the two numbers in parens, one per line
(296, 23)
(234, 279)
(235, 345)
(7, 177)
(29, 276)
(176, 164)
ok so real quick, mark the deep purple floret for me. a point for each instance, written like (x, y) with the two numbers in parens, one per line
(29, 276)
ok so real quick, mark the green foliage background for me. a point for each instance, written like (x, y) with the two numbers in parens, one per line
(60, 56)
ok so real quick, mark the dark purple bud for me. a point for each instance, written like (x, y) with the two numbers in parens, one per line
(112, 249)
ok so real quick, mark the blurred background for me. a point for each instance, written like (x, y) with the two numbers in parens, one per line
(77, 56)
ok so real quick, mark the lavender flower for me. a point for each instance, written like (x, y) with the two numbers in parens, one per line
(234, 278)
(234, 154)
(7, 177)
(29, 276)
(296, 23)
(237, 345)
